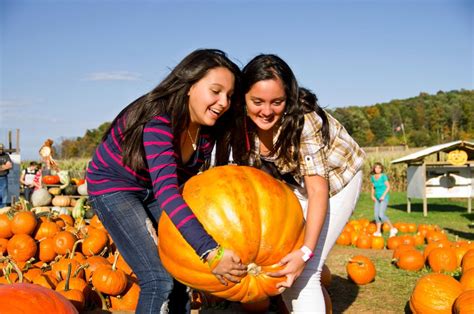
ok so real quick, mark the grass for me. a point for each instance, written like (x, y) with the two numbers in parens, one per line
(392, 287)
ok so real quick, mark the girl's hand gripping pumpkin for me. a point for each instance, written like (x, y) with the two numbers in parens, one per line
(228, 268)
(294, 266)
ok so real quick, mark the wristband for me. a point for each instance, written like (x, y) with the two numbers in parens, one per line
(217, 257)
(307, 253)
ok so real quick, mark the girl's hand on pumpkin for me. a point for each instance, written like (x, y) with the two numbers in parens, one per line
(294, 266)
(229, 268)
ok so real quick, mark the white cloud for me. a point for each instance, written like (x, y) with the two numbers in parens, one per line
(112, 76)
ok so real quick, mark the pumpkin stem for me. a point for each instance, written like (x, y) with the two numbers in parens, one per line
(358, 262)
(15, 267)
(74, 247)
(253, 269)
(81, 267)
(104, 251)
(68, 277)
(116, 256)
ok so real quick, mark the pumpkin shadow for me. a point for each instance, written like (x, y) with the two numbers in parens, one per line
(343, 293)
(461, 234)
(407, 309)
(418, 207)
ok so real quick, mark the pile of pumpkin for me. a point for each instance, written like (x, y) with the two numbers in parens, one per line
(359, 233)
(435, 292)
(60, 198)
(438, 291)
(72, 257)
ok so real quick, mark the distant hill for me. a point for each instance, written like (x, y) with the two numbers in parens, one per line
(423, 120)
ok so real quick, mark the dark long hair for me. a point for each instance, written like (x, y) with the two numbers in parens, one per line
(298, 102)
(171, 97)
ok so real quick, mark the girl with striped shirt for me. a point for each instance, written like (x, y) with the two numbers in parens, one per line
(151, 148)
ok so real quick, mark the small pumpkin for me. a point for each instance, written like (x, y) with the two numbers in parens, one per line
(364, 241)
(5, 226)
(64, 242)
(344, 238)
(51, 179)
(109, 279)
(61, 201)
(46, 229)
(54, 191)
(442, 259)
(21, 247)
(24, 222)
(360, 270)
(128, 301)
(377, 243)
(70, 190)
(411, 260)
(46, 250)
(95, 242)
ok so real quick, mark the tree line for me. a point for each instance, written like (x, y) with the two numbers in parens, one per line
(424, 120)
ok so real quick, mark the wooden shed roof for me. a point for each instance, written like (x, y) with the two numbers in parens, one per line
(447, 147)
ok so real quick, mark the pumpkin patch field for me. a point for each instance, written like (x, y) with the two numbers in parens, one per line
(76, 259)
(393, 286)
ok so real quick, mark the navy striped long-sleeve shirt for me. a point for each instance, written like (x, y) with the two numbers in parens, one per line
(165, 173)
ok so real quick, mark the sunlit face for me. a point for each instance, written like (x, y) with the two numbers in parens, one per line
(265, 103)
(377, 169)
(210, 97)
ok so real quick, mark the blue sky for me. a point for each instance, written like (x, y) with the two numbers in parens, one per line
(69, 66)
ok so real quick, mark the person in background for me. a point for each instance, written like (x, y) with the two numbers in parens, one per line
(5, 166)
(379, 192)
(38, 179)
(27, 179)
(288, 135)
(152, 147)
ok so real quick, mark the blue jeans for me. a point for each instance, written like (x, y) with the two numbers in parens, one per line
(3, 191)
(131, 220)
(379, 210)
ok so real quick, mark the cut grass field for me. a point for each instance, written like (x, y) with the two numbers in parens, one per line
(392, 287)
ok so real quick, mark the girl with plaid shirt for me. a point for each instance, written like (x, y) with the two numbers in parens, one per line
(289, 135)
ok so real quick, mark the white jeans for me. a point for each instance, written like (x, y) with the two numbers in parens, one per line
(306, 296)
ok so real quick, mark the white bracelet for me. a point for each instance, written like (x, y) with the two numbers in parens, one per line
(307, 253)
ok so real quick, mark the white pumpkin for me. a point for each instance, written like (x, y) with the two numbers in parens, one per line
(40, 197)
(82, 189)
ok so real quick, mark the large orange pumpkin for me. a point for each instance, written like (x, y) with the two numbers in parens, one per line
(30, 298)
(434, 293)
(246, 210)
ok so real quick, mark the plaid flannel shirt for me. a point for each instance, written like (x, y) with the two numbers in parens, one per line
(338, 162)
